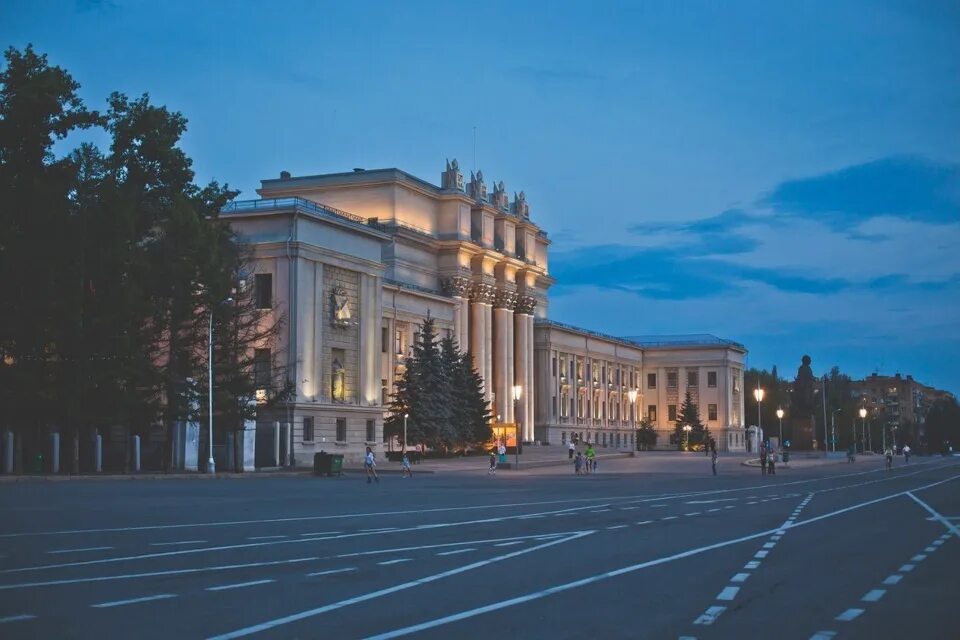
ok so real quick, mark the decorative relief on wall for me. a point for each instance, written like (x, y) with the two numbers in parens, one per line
(504, 299)
(482, 293)
(478, 190)
(456, 286)
(452, 178)
(526, 305)
(340, 307)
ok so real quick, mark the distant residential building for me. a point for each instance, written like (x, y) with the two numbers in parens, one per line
(897, 401)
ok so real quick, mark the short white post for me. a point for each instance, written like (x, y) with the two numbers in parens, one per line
(98, 453)
(55, 454)
(276, 444)
(136, 454)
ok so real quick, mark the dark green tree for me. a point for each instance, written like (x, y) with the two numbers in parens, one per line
(690, 415)
(476, 428)
(646, 435)
(942, 426)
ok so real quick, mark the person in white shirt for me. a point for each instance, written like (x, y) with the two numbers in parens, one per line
(371, 466)
(571, 448)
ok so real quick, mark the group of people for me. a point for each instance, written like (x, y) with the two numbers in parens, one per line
(768, 459)
(584, 462)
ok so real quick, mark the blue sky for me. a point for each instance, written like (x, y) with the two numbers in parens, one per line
(784, 174)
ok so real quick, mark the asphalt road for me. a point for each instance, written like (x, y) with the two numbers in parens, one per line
(648, 548)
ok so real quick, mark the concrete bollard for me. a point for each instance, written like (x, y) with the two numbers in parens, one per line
(55, 454)
(8, 452)
(276, 444)
(136, 454)
(98, 453)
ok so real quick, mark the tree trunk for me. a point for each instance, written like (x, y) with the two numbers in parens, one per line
(75, 450)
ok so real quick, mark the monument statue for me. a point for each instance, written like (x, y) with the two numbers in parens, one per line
(803, 403)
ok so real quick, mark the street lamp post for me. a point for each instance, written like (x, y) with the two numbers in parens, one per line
(686, 435)
(863, 429)
(833, 429)
(780, 418)
(405, 416)
(758, 394)
(211, 465)
(517, 392)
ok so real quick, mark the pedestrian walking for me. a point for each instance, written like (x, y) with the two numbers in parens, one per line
(578, 464)
(889, 456)
(771, 462)
(571, 449)
(405, 471)
(906, 453)
(763, 460)
(851, 453)
(591, 459)
(713, 460)
(502, 450)
(371, 467)
(492, 471)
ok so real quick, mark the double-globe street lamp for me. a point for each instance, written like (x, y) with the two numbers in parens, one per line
(686, 436)
(211, 465)
(833, 429)
(758, 394)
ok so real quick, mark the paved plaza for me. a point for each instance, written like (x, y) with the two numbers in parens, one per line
(652, 546)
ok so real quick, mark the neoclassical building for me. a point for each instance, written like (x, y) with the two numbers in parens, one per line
(356, 261)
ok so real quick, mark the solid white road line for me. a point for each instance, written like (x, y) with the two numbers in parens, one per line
(894, 579)
(22, 616)
(849, 615)
(239, 633)
(710, 615)
(330, 572)
(397, 561)
(508, 544)
(456, 551)
(378, 529)
(266, 537)
(120, 603)
(238, 585)
(322, 533)
(873, 595)
(152, 574)
(728, 593)
(171, 544)
(80, 550)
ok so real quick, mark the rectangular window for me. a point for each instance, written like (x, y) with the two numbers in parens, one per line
(671, 379)
(398, 341)
(693, 378)
(341, 429)
(371, 430)
(588, 370)
(672, 412)
(711, 412)
(563, 437)
(384, 392)
(308, 429)
(384, 339)
(262, 366)
(712, 379)
(652, 413)
(651, 381)
(263, 290)
(554, 414)
(554, 366)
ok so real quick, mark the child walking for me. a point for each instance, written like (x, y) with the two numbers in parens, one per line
(405, 471)
(371, 467)
(492, 471)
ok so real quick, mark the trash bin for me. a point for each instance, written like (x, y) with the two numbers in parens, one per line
(321, 464)
(786, 456)
(327, 464)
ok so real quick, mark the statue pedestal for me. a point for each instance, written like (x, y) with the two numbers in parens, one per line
(802, 434)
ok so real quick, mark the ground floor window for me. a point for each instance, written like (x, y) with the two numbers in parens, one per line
(371, 430)
(341, 429)
(308, 429)
(563, 437)
(711, 412)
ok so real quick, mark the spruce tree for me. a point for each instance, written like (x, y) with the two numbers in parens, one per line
(690, 415)
(477, 429)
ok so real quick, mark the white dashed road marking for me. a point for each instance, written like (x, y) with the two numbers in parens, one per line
(80, 550)
(22, 616)
(455, 551)
(873, 595)
(330, 572)
(170, 544)
(728, 593)
(849, 615)
(710, 615)
(894, 579)
(397, 561)
(120, 603)
(239, 585)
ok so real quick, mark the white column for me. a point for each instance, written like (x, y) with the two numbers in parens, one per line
(521, 346)
(488, 349)
(530, 396)
(480, 342)
(503, 378)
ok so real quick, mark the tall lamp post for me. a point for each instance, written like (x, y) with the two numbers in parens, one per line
(686, 435)
(517, 392)
(863, 429)
(758, 394)
(405, 416)
(833, 429)
(780, 418)
(632, 395)
(211, 465)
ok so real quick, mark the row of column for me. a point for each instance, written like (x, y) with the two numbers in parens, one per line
(496, 324)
